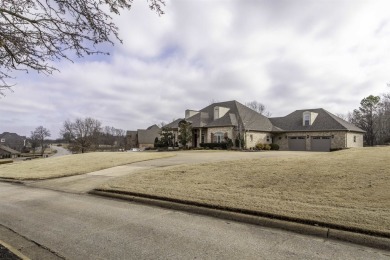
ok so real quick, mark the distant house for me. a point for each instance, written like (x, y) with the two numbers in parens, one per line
(13, 141)
(146, 137)
(6, 152)
(132, 139)
(310, 129)
(143, 138)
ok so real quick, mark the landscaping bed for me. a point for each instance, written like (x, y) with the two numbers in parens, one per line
(348, 188)
(73, 164)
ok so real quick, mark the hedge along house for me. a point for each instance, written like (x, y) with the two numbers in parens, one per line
(315, 130)
(222, 121)
(311, 129)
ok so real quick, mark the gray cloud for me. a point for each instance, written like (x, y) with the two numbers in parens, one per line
(286, 54)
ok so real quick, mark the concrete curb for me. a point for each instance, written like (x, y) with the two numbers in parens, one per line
(15, 181)
(14, 251)
(307, 229)
(25, 248)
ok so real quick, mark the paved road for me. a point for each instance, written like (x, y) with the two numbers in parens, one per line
(87, 182)
(81, 226)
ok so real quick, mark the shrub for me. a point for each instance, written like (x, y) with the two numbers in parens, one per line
(259, 146)
(237, 142)
(274, 147)
(266, 147)
(214, 145)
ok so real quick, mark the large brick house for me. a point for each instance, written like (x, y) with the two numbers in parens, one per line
(309, 129)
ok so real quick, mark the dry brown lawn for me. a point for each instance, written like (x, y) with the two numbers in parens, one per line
(349, 188)
(73, 164)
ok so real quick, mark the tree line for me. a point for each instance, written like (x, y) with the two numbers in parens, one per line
(373, 116)
(82, 135)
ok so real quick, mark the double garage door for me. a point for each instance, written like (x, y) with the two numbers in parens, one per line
(318, 143)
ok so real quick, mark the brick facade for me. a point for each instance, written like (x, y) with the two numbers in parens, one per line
(339, 139)
(253, 138)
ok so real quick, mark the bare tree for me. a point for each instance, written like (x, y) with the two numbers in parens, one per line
(162, 124)
(82, 134)
(38, 137)
(258, 107)
(120, 138)
(34, 33)
(34, 143)
(113, 137)
(212, 101)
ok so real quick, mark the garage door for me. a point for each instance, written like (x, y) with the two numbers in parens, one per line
(320, 143)
(297, 143)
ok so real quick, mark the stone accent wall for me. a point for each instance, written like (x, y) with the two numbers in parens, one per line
(228, 130)
(351, 137)
(338, 139)
(253, 138)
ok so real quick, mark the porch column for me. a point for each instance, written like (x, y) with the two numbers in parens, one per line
(200, 136)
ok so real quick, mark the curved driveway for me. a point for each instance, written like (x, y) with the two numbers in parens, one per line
(61, 151)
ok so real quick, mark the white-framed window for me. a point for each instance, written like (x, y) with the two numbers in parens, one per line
(251, 137)
(307, 120)
(2, 140)
(268, 138)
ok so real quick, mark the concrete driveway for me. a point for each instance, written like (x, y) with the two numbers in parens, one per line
(86, 182)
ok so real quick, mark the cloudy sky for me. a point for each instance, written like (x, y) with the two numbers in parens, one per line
(285, 54)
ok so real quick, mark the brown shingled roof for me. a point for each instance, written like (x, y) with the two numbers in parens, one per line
(7, 149)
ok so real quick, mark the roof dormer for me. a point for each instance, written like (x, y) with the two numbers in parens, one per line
(308, 118)
(220, 112)
(190, 113)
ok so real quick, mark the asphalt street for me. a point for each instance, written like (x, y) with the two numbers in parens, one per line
(82, 226)
(66, 222)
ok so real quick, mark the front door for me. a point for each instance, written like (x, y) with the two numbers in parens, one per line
(195, 139)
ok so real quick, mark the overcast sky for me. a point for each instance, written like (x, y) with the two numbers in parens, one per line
(287, 55)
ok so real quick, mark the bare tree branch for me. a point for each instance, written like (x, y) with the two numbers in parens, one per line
(34, 33)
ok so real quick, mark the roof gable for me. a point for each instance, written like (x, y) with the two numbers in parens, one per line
(237, 114)
(147, 136)
(325, 121)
